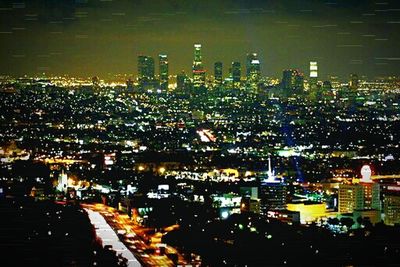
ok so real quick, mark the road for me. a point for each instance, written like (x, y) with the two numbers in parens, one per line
(144, 243)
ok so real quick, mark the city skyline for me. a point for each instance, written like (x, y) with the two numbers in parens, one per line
(94, 38)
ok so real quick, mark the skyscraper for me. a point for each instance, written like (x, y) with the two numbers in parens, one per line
(145, 69)
(199, 74)
(163, 71)
(313, 75)
(235, 73)
(182, 82)
(292, 80)
(218, 73)
(253, 69)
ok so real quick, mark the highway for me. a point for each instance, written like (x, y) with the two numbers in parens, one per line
(144, 243)
(110, 238)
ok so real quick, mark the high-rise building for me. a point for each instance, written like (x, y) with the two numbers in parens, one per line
(313, 75)
(354, 82)
(145, 69)
(391, 203)
(253, 69)
(218, 73)
(391, 209)
(163, 71)
(362, 196)
(182, 83)
(273, 196)
(235, 72)
(299, 81)
(273, 192)
(292, 80)
(199, 74)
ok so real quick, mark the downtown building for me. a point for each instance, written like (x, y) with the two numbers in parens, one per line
(253, 70)
(163, 72)
(235, 74)
(146, 71)
(199, 73)
(292, 80)
(218, 78)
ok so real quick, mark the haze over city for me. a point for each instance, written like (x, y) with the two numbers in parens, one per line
(95, 38)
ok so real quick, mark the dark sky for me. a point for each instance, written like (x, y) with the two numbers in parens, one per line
(97, 37)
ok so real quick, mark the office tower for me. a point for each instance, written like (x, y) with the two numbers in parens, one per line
(350, 198)
(253, 69)
(199, 74)
(362, 196)
(273, 192)
(292, 80)
(273, 196)
(235, 72)
(182, 82)
(163, 71)
(145, 69)
(353, 83)
(299, 81)
(218, 73)
(313, 75)
(391, 209)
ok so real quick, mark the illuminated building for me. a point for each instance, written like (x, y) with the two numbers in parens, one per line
(292, 80)
(286, 216)
(253, 69)
(182, 82)
(199, 74)
(235, 72)
(353, 83)
(250, 201)
(391, 209)
(273, 192)
(62, 185)
(273, 196)
(218, 73)
(358, 197)
(250, 205)
(313, 75)
(391, 203)
(309, 211)
(350, 198)
(362, 196)
(145, 68)
(163, 71)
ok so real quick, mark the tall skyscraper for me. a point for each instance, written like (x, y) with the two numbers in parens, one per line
(313, 75)
(292, 80)
(199, 74)
(182, 82)
(145, 68)
(236, 72)
(218, 73)
(253, 69)
(163, 71)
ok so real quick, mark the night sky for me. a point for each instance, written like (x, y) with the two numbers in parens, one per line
(100, 37)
